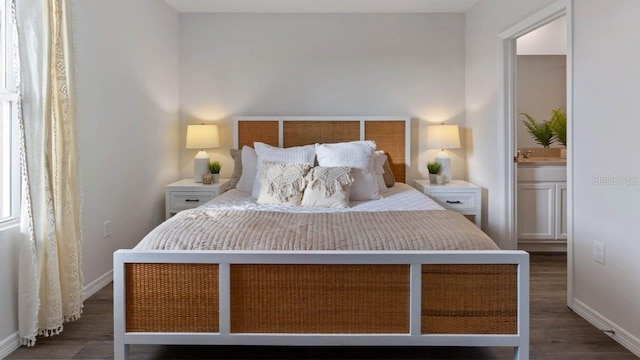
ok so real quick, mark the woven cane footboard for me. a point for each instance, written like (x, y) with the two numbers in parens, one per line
(330, 299)
(171, 297)
(309, 299)
(469, 299)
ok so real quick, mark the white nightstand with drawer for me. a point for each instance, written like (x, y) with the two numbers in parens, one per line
(457, 195)
(188, 194)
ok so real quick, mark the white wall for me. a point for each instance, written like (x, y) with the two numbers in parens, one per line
(128, 119)
(485, 139)
(541, 87)
(128, 131)
(9, 252)
(321, 64)
(607, 84)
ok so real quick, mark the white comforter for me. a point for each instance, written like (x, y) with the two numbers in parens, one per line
(401, 197)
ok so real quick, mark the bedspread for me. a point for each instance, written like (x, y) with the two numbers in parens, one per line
(210, 229)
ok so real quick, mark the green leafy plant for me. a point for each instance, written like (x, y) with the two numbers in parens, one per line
(541, 131)
(434, 167)
(215, 167)
(558, 125)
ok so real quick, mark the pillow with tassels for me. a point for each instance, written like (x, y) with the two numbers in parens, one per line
(282, 184)
(328, 187)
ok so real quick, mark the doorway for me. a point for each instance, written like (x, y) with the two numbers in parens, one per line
(541, 174)
(508, 97)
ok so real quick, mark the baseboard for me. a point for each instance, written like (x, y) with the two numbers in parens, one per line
(9, 345)
(623, 337)
(97, 284)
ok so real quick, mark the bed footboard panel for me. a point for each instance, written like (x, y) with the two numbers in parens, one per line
(469, 299)
(312, 299)
(171, 297)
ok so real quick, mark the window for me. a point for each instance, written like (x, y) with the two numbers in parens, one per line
(9, 161)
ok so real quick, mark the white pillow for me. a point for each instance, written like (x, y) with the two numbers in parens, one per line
(357, 155)
(297, 154)
(249, 166)
(378, 168)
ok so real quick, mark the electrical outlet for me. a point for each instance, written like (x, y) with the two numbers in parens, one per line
(107, 229)
(598, 252)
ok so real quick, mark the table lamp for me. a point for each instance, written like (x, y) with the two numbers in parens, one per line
(443, 137)
(202, 137)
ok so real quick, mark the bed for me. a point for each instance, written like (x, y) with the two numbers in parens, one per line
(322, 277)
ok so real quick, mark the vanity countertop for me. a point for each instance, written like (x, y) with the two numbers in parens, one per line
(542, 160)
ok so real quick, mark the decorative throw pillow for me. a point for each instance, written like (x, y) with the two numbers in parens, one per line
(282, 184)
(328, 187)
(236, 155)
(297, 154)
(378, 167)
(387, 175)
(249, 166)
(357, 155)
(389, 179)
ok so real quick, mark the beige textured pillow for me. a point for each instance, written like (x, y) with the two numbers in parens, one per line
(328, 187)
(378, 168)
(236, 155)
(296, 154)
(282, 184)
(389, 179)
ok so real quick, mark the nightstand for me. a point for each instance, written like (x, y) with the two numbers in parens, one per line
(457, 195)
(188, 194)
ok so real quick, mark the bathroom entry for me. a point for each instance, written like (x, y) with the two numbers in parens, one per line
(541, 105)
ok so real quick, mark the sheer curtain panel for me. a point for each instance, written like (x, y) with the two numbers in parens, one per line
(50, 276)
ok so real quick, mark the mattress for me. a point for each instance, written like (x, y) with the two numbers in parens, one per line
(404, 219)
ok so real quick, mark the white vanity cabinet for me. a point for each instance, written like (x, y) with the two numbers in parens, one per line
(542, 207)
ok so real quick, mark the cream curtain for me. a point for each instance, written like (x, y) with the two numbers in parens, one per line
(50, 277)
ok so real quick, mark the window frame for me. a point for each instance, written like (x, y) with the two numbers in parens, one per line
(9, 93)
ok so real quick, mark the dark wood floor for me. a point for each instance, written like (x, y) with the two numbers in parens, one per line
(556, 333)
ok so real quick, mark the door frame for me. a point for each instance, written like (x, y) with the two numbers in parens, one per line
(508, 96)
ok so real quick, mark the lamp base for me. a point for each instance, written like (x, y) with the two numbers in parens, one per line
(445, 162)
(200, 165)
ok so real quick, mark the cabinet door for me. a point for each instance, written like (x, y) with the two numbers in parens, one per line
(536, 211)
(561, 211)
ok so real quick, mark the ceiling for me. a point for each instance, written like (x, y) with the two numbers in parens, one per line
(550, 39)
(321, 6)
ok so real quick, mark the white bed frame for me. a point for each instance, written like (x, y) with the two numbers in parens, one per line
(415, 259)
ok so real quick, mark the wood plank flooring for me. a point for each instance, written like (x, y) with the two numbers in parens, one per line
(556, 333)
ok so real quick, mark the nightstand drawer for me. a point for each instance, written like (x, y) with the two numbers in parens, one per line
(188, 194)
(457, 195)
(187, 199)
(456, 201)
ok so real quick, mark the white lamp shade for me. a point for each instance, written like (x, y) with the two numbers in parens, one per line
(443, 137)
(202, 137)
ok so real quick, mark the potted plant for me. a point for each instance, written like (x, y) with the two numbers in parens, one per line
(434, 170)
(215, 167)
(558, 125)
(540, 131)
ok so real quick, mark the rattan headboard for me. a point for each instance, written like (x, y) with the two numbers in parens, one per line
(391, 134)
